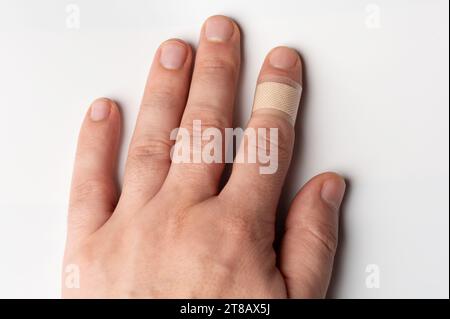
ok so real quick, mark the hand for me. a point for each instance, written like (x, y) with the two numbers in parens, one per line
(173, 231)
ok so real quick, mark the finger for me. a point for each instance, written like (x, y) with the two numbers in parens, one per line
(94, 193)
(270, 131)
(162, 105)
(211, 101)
(310, 240)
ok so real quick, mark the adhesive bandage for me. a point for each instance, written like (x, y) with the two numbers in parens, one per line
(278, 96)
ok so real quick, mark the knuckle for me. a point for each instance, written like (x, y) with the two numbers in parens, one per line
(322, 236)
(284, 138)
(208, 115)
(154, 149)
(242, 228)
(160, 98)
(285, 130)
(217, 67)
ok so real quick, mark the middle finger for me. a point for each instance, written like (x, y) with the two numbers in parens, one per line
(211, 101)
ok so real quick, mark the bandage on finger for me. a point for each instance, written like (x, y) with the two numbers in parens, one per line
(278, 96)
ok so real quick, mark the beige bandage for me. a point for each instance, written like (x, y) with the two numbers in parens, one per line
(278, 96)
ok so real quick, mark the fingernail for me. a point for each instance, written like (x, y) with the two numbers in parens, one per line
(100, 110)
(173, 54)
(283, 58)
(333, 191)
(219, 29)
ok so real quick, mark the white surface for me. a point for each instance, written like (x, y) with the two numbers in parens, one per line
(375, 108)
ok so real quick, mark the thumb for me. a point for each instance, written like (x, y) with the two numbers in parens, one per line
(310, 240)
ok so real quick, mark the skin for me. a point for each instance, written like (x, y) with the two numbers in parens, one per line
(172, 231)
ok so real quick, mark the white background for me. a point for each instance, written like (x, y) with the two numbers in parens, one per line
(375, 108)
